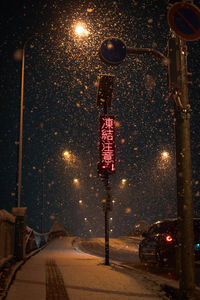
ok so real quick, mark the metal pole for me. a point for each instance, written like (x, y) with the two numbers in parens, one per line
(184, 180)
(179, 92)
(43, 196)
(149, 51)
(107, 220)
(106, 207)
(104, 99)
(19, 182)
(19, 179)
(107, 237)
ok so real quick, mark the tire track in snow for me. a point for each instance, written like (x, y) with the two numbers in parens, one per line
(55, 287)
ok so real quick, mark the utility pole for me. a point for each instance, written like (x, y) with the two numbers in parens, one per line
(178, 83)
(43, 200)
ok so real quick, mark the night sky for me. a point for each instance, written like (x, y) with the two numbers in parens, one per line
(60, 113)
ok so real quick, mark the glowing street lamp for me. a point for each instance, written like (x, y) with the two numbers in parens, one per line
(165, 155)
(163, 160)
(70, 158)
(66, 154)
(81, 31)
(123, 181)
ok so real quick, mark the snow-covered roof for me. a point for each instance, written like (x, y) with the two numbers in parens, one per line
(57, 226)
(6, 216)
(19, 211)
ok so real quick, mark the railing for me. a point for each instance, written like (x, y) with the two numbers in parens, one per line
(18, 240)
(10, 231)
(34, 240)
(7, 236)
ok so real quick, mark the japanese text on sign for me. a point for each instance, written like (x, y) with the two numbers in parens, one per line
(107, 144)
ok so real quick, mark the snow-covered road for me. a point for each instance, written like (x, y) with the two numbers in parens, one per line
(121, 249)
(60, 271)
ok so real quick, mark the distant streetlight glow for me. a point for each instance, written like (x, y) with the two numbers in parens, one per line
(70, 158)
(164, 155)
(81, 30)
(75, 180)
(122, 183)
(66, 154)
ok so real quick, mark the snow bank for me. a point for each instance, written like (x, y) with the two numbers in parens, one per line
(6, 216)
(57, 227)
(120, 249)
(19, 211)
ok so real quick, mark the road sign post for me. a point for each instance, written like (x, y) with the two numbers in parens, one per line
(105, 90)
(114, 52)
(178, 84)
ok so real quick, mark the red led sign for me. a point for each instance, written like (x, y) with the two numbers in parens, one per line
(107, 144)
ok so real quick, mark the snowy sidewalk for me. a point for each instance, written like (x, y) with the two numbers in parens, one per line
(61, 272)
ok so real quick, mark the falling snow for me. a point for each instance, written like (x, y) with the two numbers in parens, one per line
(60, 113)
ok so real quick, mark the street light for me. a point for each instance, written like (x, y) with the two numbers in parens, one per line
(76, 181)
(69, 157)
(165, 155)
(80, 30)
(164, 160)
(66, 154)
(123, 183)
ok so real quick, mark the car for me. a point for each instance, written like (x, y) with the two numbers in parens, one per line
(160, 242)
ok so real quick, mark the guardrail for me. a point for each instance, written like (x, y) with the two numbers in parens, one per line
(7, 236)
(34, 240)
(18, 240)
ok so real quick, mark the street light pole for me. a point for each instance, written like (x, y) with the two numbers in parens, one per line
(43, 200)
(178, 83)
(113, 51)
(19, 179)
(83, 32)
(149, 51)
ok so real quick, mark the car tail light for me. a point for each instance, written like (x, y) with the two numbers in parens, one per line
(168, 238)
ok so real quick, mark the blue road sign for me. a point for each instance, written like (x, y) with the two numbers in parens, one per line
(113, 51)
(184, 20)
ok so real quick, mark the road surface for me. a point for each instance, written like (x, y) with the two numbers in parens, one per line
(61, 272)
